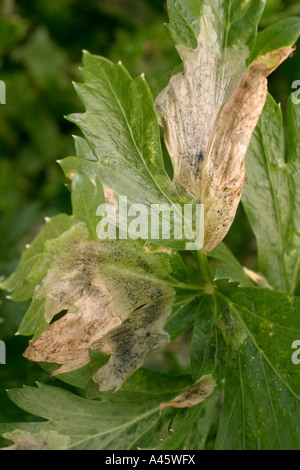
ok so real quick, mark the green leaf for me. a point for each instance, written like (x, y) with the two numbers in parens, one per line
(271, 199)
(34, 321)
(86, 424)
(112, 290)
(262, 401)
(117, 297)
(207, 347)
(207, 131)
(284, 33)
(184, 25)
(120, 126)
(43, 440)
(87, 195)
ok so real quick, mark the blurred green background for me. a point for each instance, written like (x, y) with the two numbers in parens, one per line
(40, 52)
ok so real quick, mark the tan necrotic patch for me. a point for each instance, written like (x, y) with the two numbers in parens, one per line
(223, 171)
(188, 107)
(194, 395)
(44, 440)
(208, 114)
(118, 311)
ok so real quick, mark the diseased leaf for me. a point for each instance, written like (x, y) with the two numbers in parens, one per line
(87, 195)
(121, 128)
(227, 19)
(189, 105)
(209, 112)
(99, 307)
(195, 394)
(184, 24)
(116, 296)
(271, 199)
(223, 169)
(119, 421)
(207, 348)
(117, 303)
(34, 321)
(183, 314)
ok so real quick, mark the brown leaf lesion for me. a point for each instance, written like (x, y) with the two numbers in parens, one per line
(109, 308)
(223, 171)
(197, 393)
(44, 440)
(207, 135)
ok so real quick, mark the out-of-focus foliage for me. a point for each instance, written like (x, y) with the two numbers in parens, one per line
(278, 9)
(40, 41)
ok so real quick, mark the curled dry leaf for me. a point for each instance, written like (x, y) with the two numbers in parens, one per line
(114, 304)
(194, 395)
(208, 114)
(223, 171)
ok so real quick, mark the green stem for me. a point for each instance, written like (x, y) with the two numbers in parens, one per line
(203, 266)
